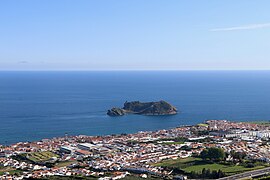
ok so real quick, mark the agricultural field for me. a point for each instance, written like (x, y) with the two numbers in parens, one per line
(10, 170)
(202, 124)
(41, 156)
(64, 163)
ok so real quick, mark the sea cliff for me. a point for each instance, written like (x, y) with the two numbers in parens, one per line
(144, 108)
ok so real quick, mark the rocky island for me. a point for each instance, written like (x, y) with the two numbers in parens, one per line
(144, 108)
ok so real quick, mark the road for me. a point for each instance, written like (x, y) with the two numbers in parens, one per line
(248, 174)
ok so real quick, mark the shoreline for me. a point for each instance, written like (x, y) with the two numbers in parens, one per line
(259, 122)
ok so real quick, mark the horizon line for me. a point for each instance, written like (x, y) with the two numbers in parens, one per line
(115, 70)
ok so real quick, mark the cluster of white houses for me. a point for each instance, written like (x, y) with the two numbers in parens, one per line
(139, 151)
(82, 148)
(248, 134)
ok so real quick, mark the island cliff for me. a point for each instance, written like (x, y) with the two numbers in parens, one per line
(144, 108)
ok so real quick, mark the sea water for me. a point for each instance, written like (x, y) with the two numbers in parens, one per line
(37, 105)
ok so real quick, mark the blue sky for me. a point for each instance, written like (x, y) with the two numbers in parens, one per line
(134, 35)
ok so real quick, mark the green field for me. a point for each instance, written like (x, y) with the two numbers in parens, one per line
(11, 170)
(131, 177)
(41, 156)
(197, 165)
(169, 143)
(202, 124)
(5, 169)
(64, 163)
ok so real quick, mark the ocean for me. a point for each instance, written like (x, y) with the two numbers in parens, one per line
(37, 105)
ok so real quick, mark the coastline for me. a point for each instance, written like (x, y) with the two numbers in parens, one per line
(203, 124)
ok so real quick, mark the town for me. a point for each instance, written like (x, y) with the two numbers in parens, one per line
(178, 153)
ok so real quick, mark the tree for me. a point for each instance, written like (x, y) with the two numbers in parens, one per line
(204, 154)
(213, 153)
(193, 174)
(204, 173)
(250, 165)
(238, 155)
(220, 174)
(214, 174)
(208, 173)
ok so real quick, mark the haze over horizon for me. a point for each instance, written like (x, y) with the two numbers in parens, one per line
(134, 35)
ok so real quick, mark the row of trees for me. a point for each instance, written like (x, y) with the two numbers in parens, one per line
(207, 173)
(218, 154)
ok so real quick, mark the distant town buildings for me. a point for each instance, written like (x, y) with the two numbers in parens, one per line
(129, 153)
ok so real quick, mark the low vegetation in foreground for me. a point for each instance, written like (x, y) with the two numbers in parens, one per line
(210, 164)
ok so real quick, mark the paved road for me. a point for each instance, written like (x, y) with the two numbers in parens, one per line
(248, 174)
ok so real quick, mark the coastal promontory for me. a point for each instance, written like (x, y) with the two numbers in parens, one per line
(144, 108)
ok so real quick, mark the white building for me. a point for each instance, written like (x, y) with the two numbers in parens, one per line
(86, 146)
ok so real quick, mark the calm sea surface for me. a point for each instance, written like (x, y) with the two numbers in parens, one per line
(36, 105)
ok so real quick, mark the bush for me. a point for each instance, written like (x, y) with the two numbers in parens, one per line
(250, 165)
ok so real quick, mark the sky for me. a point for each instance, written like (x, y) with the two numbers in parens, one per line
(134, 35)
